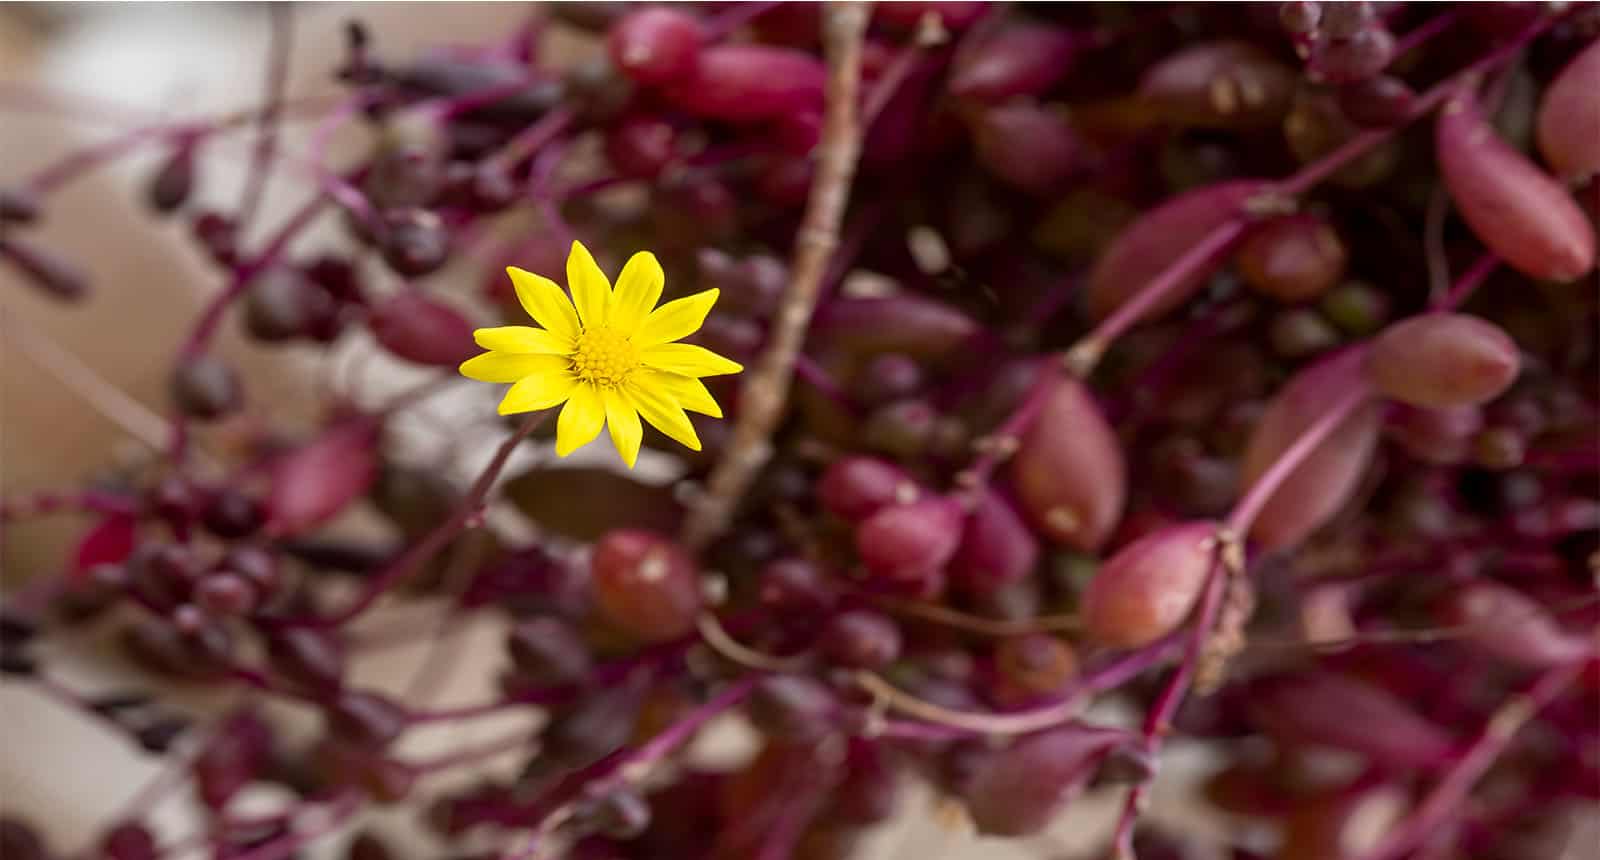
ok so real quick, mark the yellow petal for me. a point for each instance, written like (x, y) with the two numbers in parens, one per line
(664, 415)
(688, 360)
(545, 302)
(580, 419)
(510, 367)
(675, 319)
(523, 339)
(623, 422)
(638, 290)
(690, 393)
(591, 292)
(539, 391)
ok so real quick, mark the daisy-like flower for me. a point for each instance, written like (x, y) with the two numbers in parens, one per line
(608, 354)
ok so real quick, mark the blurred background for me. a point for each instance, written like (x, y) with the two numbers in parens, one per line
(102, 68)
(83, 389)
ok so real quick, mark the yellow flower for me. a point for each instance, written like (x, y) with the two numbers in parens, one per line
(608, 354)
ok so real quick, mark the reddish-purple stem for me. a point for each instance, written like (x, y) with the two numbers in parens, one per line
(340, 810)
(1004, 439)
(533, 138)
(808, 371)
(211, 317)
(278, 51)
(1248, 508)
(1468, 283)
(1425, 31)
(1131, 312)
(46, 502)
(1449, 796)
(467, 511)
(79, 162)
(733, 16)
(636, 763)
(1158, 721)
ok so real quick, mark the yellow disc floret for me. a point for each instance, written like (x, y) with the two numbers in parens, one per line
(604, 357)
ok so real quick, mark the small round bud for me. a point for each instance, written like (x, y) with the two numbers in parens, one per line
(218, 235)
(792, 706)
(174, 180)
(225, 594)
(793, 586)
(231, 514)
(854, 488)
(645, 585)
(861, 638)
(1148, 588)
(18, 206)
(283, 303)
(655, 45)
(888, 377)
(1443, 359)
(205, 388)
(909, 544)
(414, 242)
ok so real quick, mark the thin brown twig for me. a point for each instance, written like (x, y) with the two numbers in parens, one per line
(766, 391)
(887, 696)
(977, 623)
(717, 637)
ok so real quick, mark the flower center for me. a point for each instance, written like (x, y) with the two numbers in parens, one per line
(604, 357)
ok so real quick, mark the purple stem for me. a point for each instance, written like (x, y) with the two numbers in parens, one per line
(1313, 173)
(1150, 383)
(795, 813)
(468, 511)
(1008, 435)
(634, 764)
(69, 697)
(76, 163)
(605, 675)
(342, 807)
(807, 370)
(46, 502)
(1469, 282)
(907, 60)
(1425, 31)
(466, 102)
(533, 138)
(72, 165)
(1248, 508)
(1054, 300)
(1107, 677)
(210, 318)
(1448, 797)
(1158, 721)
(733, 16)
(1173, 277)
(267, 121)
